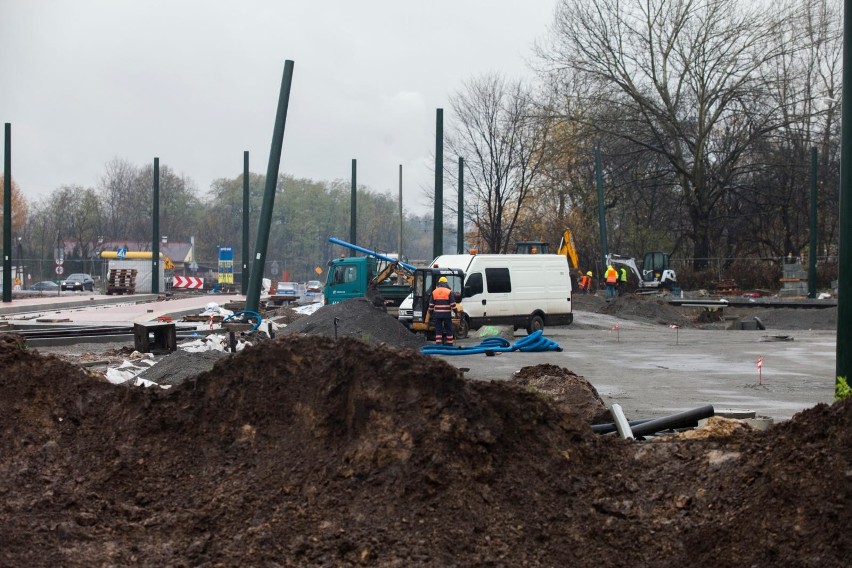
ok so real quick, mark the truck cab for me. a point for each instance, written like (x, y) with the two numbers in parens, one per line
(351, 277)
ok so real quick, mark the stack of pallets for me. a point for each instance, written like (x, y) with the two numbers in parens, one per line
(121, 281)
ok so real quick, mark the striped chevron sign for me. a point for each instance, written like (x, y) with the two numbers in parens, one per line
(188, 282)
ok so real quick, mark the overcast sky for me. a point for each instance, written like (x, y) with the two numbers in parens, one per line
(196, 83)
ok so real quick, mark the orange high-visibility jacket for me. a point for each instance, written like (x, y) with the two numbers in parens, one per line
(611, 276)
(442, 304)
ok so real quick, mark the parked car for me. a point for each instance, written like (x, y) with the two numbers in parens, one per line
(286, 289)
(78, 282)
(45, 286)
(314, 286)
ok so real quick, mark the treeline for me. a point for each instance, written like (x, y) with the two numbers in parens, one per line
(306, 213)
(704, 112)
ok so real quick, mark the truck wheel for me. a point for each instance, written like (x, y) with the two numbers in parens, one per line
(536, 324)
(463, 328)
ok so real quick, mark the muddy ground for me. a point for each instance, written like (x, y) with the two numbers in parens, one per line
(306, 451)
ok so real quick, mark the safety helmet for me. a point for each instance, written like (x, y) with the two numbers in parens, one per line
(589, 273)
(442, 280)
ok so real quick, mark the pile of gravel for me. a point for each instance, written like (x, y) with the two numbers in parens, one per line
(357, 318)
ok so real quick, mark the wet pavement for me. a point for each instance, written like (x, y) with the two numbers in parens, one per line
(652, 370)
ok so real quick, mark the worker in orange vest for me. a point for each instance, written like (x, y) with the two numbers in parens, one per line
(586, 283)
(611, 277)
(441, 310)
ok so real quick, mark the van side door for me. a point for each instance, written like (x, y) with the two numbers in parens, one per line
(498, 287)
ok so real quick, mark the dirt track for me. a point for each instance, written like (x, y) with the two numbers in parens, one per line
(310, 452)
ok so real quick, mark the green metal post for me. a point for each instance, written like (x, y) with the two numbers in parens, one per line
(7, 216)
(155, 244)
(844, 289)
(256, 276)
(460, 229)
(601, 206)
(438, 226)
(401, 216)
(353, 207)
(812, 251)
(245, 277)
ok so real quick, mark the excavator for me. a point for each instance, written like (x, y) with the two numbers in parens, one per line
(655, 273)
(566, 248)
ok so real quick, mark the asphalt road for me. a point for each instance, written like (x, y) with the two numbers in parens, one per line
(652, 370)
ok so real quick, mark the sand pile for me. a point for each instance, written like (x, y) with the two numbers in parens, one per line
(304, 451)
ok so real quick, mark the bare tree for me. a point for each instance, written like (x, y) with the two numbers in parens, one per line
(498, 134)
(121, 200)
(688, 72)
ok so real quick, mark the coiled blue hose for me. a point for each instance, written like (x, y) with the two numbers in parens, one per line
(533, 342)
(250, 315)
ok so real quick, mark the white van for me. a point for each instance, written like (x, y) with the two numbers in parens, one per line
(526, 291)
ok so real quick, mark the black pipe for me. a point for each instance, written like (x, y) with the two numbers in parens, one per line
(610, 426)
(679, 420)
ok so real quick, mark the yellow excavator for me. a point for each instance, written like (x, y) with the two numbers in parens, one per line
(567, 248)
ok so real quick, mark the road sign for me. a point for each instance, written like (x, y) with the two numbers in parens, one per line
(189, 282)
(318, 270)
(168, 264)
(121, 253)
(59, 270)
(59, 261)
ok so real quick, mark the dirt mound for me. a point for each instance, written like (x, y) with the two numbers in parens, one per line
(305, 451)
(645, 309)
(357, 318)
(796, 318)
(568, 390)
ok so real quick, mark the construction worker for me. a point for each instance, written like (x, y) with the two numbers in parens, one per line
(611, 277)
(442, 307)
(586, 283)
(622, 281)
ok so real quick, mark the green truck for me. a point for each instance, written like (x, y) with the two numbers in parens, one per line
(359, 276)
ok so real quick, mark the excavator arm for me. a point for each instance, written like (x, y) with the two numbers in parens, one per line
(393, 268)
(630, 263)
(569, 249)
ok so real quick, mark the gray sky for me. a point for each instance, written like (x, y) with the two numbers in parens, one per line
(196, 82)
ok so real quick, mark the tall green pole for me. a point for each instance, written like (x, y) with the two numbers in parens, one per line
(812, 252)
(256, 275)
(844, 278)
(353, 207)
(401, 217)
(155, 243)
(460, 231)
(246, 212)
(7, 216)
(438, 226)
(601, 206)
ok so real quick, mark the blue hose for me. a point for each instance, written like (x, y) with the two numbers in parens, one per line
(251, 315)
(533, 342)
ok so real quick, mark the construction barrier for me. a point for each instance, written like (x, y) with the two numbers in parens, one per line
(187, 282)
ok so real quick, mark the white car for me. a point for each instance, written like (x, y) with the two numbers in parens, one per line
(406, 311)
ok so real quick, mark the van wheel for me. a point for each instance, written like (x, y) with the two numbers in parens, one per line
(536, 324)
(463, 328)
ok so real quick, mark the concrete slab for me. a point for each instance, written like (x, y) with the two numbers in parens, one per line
(652, 370)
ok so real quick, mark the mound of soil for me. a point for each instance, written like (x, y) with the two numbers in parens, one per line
(357, 318)
(570, 391)
(645, 309)
(314, 452)
(796, 318)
